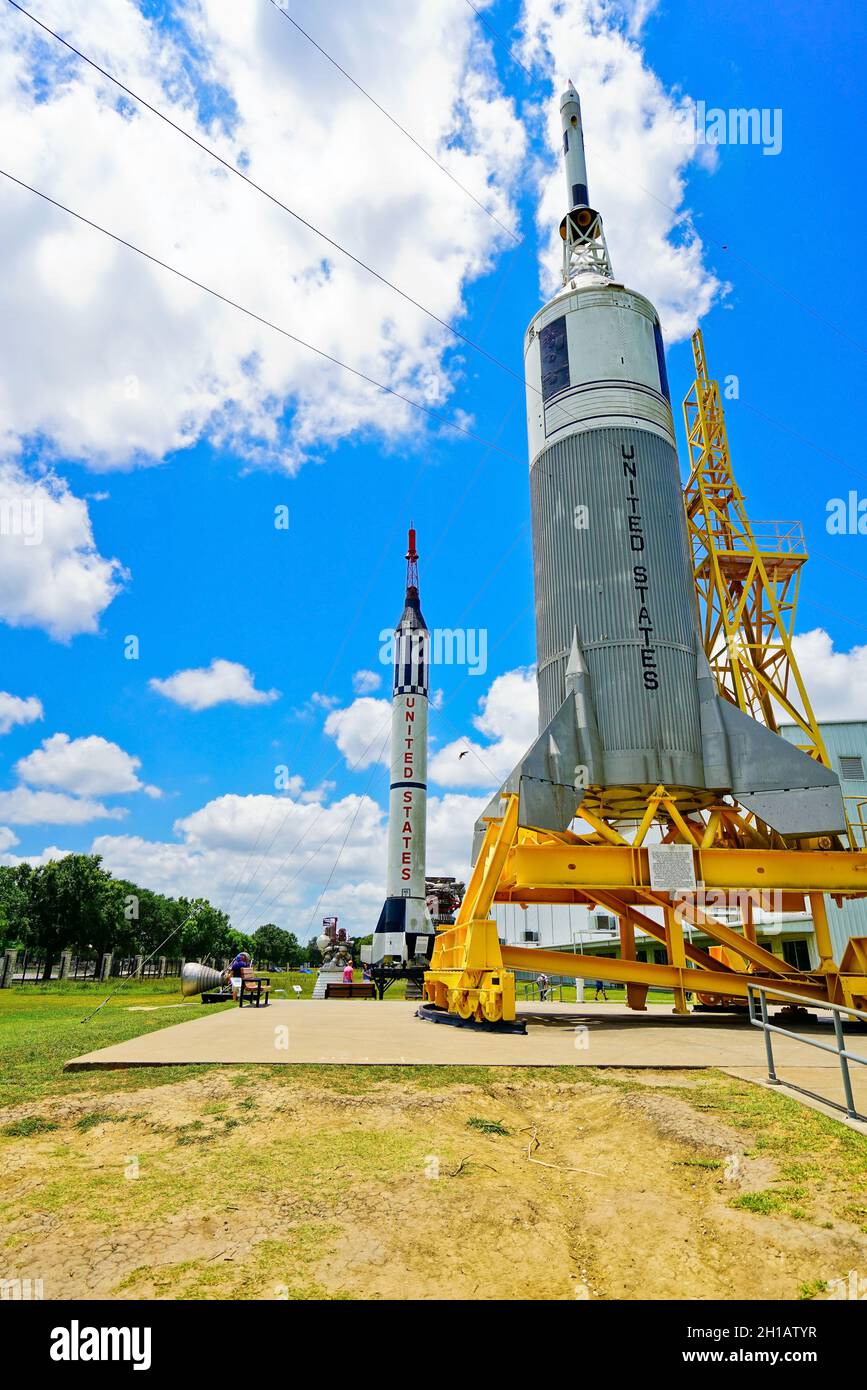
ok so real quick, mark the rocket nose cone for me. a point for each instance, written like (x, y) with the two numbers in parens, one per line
(569, 96)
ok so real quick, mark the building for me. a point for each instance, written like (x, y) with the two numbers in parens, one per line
(570, 928)
(846, 742)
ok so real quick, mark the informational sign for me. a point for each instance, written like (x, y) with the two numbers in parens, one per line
(672, 868)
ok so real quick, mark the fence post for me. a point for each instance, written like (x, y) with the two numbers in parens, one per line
(139, 961)
(65, 962)
(844, 1067)
(105, 966)
(773, 1079)
(8, 968)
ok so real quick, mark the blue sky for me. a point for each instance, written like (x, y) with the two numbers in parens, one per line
(202, 573)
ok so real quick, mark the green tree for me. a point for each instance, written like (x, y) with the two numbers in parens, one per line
(151, 920)
(14, 905)
(206, 931)
(272, 943)
(73, 903)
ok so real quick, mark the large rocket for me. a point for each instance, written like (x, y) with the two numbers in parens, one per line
(405, 929)
(627, 699)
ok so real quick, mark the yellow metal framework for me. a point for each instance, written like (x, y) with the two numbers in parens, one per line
(746, 585)
(746, 576)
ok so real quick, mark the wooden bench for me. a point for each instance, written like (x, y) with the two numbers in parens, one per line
(359, 989)
(254, 988)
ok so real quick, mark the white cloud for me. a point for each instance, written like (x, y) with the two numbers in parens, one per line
(89, 766)
(836, 681)
(637, 156)
(508, 718)
(267, 858)
(45, 856)
(8, 838)
(361, 731)
(22, 806)
(365, 682)
(133, 363)
(450, 822)
(15, 710)
(221, 683)
(51, 573)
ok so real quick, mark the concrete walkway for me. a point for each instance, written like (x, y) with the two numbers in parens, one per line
(359, 1032)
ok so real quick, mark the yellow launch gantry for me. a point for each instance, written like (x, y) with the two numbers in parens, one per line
(746, 586)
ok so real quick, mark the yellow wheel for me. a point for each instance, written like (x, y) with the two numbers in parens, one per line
(492, 1007)
(466, 1004)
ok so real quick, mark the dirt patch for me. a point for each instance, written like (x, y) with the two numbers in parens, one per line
(241, 1184)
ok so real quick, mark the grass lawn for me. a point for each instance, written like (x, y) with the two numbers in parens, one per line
(403, 1182)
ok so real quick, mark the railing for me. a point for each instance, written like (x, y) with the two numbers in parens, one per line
(840, 1048)
(856, 810)
(30, 967)
(532, 991)
(83, 969)
(769, 537)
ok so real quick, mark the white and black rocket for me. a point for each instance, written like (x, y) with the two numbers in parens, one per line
(405, 930)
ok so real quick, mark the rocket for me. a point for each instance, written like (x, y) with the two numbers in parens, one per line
(627, 699)
(405, 929)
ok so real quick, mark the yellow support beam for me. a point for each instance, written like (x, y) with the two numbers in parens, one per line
(627, 868)
(730, 985)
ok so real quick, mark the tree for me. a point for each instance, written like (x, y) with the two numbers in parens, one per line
(73, 902)
(272, 943)
(14, 905)
(206, 931)
(151, 919)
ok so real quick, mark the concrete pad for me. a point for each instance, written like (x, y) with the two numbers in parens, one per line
(360, 1031)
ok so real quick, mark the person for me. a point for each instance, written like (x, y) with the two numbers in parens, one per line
(542, 982)
(241, 962)
(347, 973)
(600, 989)
(366, 974)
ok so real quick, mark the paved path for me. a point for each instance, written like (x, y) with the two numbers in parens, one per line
(359, 1031)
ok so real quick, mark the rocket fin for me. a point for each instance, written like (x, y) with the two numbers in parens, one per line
(780, 784)
(784, 787)
(565, 758)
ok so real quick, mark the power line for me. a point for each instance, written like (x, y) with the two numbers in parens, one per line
(499, 37)
(802, 438)
(722, 246)
(419, 146)
(267, 323)
(239, 173)
(323, 686)
(750, 265)
(456, 332)
(359, 609)
(835, 613)
(327, 882)
(247, 911)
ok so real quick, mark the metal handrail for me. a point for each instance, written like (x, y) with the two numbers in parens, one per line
(857, 828)
(843, 1053)
(770, 537)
